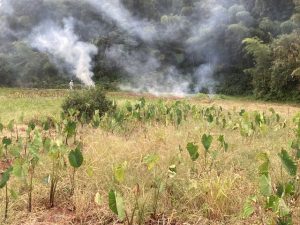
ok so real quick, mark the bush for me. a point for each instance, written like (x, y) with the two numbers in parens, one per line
(86, 102)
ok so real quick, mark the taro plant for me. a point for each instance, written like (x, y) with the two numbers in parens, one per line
(151, 161)
(116, 201)
(70, 129)
(57, 155)
(116, 205)
(6, 175)
(246, 124)
(223, 144)
(192, 149)
(206, 142)
(3, 184)
(75, 160)
(277, 197)
(25, 164)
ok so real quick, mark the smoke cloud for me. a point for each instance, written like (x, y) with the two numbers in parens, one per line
(63, 43)
(176, 54)
(146, 72)
(114, 10)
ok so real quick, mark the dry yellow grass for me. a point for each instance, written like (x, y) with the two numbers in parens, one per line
(195, 195)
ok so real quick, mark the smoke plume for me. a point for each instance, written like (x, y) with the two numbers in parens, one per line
(176, 53)
(63, 43)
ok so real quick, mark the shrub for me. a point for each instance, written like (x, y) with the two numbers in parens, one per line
(86, 102)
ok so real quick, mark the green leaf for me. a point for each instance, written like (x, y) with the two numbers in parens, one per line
(283, 208)
(223, 143)
(76, 158)
(151, 161)
(5, 177)
(46, 125)
(248, 208)
(1, 127)
(263, 169)
(206, 141)
(16, 151)
(288, 162)
(47, 144)
(265, 185)
(241, 113)
(20, 168)
(70, 128)
(112, 202)
(119, 172)
(6, 141)
(289, 188)
(96, 120)
(272, 203)
(31, 126)
(116, 204)
(193, 151)
(120, 207)
(210, 118)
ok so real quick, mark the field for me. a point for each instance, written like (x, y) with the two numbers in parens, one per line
(194, 160)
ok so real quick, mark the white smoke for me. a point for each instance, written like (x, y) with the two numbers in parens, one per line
(146, 72)
(5, 7)
(63, 43)
(140, 49)
(115, 11)
(204, 78)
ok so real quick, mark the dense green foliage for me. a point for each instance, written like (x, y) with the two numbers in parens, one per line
(86, 102)
(266, 63)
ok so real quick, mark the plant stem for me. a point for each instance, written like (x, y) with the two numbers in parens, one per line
(52, 191)
(30, 192)
(6, 203)
(73, 181)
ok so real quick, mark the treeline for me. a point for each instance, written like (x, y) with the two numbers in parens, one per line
(252, 45)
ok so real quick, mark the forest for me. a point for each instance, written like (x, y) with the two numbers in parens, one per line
(232, 47)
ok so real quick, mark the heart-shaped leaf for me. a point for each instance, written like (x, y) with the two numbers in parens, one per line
(5, 177)
(76, 158)
(193, 151)
(116, 204)
(206, 141)
(288, 162)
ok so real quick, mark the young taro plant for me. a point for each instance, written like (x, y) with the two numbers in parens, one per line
(206, 142)
(116, 202)
(6, 142)
(277, 197)
(25, 164)
(115, 198)
(3, 184)
(57, 155)
(192, 149)
(158, 184)
(70, 127)
(75, 160)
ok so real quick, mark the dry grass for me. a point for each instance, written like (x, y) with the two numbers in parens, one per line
(195, 195)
